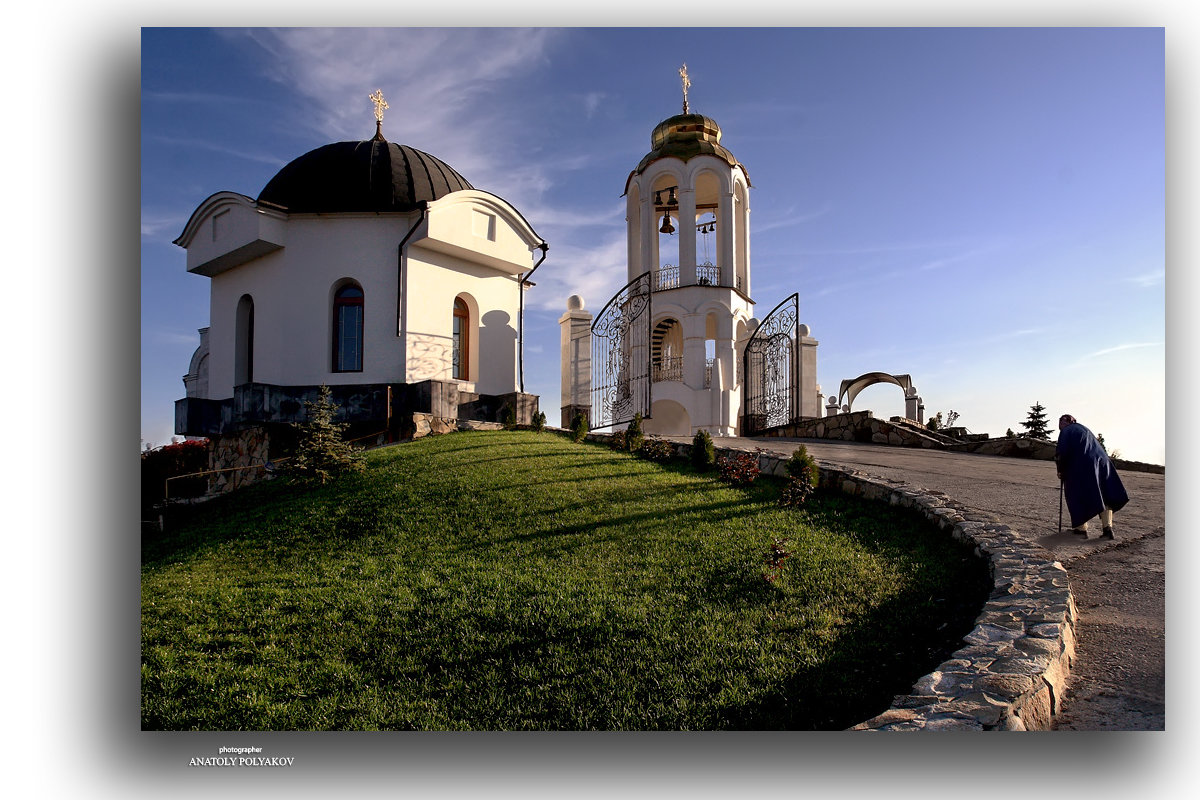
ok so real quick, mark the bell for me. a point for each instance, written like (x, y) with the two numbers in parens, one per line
(667, 227)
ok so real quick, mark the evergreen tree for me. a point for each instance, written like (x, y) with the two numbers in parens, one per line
(579, 427)
(1035, 423)
(321, 452)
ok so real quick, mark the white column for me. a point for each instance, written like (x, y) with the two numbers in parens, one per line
(726, 238)
(649, 240)
(686, 231)
(693, 350)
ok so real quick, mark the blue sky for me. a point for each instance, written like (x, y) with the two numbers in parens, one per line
(980, 208)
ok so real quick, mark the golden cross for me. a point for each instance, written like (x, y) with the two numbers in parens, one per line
(686, 83)
(376, 97)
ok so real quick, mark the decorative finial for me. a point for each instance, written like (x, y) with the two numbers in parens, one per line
(376, 97)
(686, 83)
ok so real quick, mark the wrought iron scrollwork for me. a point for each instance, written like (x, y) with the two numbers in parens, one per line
(621, 356)
(771, 370)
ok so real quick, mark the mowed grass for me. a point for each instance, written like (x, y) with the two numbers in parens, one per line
(514, 581)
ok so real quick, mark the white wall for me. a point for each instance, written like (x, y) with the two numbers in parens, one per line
(480, 247)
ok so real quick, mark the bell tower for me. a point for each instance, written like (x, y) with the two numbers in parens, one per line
(688, 218)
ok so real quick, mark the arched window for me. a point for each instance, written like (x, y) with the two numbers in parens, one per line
(348, 329)
(462, 341)
(243, 356)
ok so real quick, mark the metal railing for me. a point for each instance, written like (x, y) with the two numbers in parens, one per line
(668, 369)
(668, 276)
(708, 275)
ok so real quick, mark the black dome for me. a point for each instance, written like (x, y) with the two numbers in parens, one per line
(375, 175)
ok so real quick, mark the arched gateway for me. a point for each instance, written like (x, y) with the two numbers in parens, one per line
(914, 407)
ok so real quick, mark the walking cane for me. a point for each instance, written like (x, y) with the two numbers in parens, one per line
(1060, 504)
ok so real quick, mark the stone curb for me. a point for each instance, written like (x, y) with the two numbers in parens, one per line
(1011, 672)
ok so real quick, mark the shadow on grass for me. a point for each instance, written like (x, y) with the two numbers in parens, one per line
(486, 655)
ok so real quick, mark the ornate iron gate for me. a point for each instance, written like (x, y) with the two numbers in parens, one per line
(771, 370)
(621, 356)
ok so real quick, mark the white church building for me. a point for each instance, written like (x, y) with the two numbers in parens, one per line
(368, 266)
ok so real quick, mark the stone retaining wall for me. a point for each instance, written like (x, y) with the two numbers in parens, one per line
(430, 425)
(855, 426)
(862, 426)
(239, 458)
(1011, 672)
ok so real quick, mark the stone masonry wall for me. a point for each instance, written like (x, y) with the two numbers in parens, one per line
(429, 425)
(862, 426)
(241, 459)
(855, 426)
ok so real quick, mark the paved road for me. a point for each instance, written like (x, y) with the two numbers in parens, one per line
(1119, 679)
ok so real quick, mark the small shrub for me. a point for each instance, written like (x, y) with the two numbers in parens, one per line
(657, 450)
(579, 427)
(509, 419)
(633, 434)
(181, 458)
(703, 453)
(618, 441)
(539, 421)
(739, 470)
(795, 493)
(803, 466)
(775, 558)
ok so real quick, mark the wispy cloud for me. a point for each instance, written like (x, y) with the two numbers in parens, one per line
(592, 102)
(156, 225)
(1147, 279)
(594, 273)
(790, 218)
(203, 144)
(432, 78)
(1130, 346)
(1107, 351)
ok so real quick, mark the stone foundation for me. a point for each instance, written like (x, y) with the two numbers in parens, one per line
(239, 459)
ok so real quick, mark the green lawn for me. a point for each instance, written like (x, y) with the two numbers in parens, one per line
(514, 580)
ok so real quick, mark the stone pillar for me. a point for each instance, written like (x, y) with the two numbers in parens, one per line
(576, 367)
(912, 404)
(831, 407)
(810, 398)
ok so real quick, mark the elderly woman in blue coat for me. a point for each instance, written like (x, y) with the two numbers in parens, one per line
(1090, 482)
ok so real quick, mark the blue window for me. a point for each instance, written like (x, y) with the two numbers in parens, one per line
(348, 329)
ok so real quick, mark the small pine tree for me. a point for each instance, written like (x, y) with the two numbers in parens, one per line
(1008, 434)
(1035, 423)
(509, 418)
(803, 466)
(633, 434)
(1100, 439)
(539, 421)
(321, 452)
(579, 427)
(704, 455)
